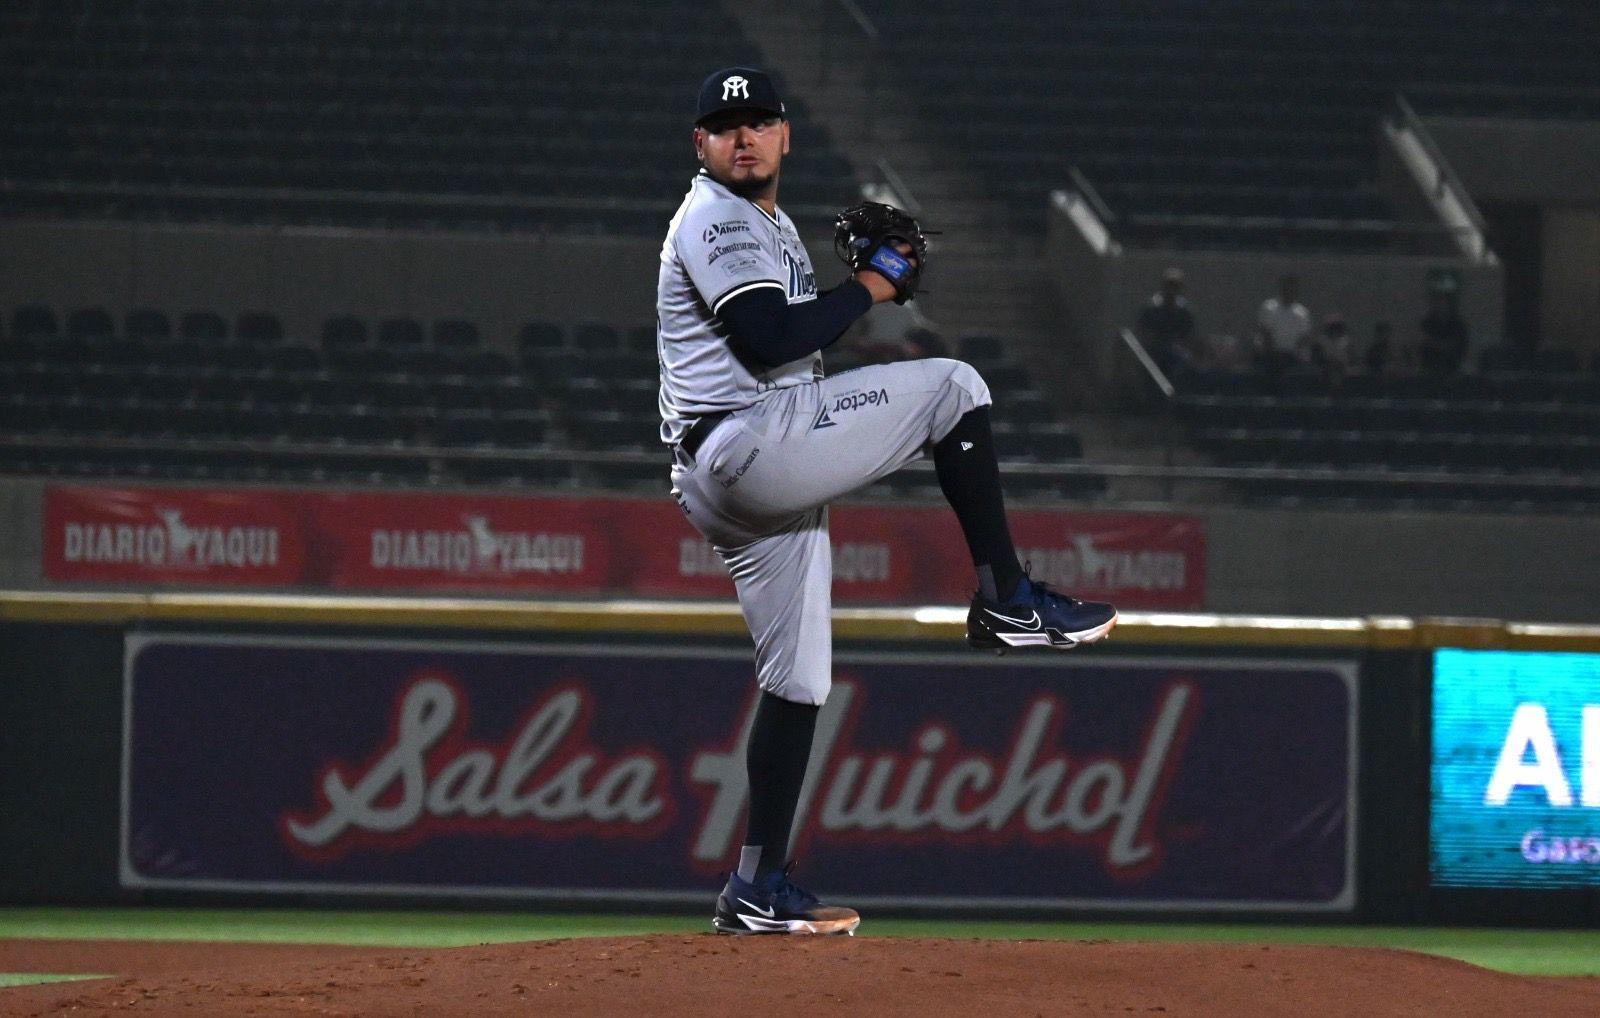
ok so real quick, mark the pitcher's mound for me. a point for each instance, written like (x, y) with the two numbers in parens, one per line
(705, 975)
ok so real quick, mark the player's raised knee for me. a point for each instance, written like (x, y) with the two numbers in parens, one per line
(966, 378)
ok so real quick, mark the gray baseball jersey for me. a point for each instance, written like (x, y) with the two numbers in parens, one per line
(759, 486)
(718, 246)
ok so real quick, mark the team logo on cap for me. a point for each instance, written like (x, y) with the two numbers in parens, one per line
(735, 87)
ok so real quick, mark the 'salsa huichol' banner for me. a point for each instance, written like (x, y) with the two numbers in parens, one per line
(267, 764)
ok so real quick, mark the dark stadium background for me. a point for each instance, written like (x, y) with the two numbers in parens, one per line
(347, 254)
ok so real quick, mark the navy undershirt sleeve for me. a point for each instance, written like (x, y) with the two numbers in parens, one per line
(769, 330)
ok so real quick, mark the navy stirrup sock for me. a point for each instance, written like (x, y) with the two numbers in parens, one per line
(969, 476)
(775, 760)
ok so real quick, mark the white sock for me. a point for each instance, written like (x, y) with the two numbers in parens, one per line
(749, 859)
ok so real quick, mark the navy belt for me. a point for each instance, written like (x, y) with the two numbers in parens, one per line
(701, 430)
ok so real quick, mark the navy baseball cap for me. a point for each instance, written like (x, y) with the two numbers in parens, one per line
(737, 88)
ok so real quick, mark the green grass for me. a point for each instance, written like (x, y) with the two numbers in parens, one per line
(366, 929)
(29, 978)
(1528, 952)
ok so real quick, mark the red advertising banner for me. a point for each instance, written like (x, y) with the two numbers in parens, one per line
(173, 535)
(916, 555)
(531, 545)
(387, 541)
(1136, 560)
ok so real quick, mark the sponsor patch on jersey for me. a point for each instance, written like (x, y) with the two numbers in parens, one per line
(858, 398)
(718, 252)
(843, 404)
(733, 478)
(738, 266)
(716, 230)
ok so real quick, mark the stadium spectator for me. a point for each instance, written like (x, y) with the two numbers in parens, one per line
(1331, 350)
(1166, 325)
(1445, 336)
(1283, 326)
(1380, 356)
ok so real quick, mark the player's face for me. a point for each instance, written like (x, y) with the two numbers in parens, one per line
(742, 149)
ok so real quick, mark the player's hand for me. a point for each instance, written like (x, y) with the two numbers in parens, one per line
(877, 284)
(877, 239)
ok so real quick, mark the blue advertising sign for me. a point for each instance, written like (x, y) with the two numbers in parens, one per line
(613, 773)
(1516, 769)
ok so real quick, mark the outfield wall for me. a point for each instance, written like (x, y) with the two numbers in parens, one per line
(227, 748)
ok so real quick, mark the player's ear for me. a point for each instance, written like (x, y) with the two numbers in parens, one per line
(699, 144)
(786, 137)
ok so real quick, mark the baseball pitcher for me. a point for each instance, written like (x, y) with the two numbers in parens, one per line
(762, 440)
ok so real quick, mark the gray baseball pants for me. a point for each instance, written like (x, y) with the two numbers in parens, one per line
(759, 487)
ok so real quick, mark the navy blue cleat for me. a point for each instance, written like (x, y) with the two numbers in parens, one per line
(774, 904)
(1037, 617)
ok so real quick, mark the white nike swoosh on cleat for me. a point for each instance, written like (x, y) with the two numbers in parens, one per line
(1032, 622)
(768, 912)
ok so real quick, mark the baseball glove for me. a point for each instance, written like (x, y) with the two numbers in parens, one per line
(868, 236)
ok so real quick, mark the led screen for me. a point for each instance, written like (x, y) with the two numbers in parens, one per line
(1516, 769)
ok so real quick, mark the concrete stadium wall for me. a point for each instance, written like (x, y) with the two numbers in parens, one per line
(21, 532)
(1300, 562)
(1554, 165)
(1570, 279)
(1545, 162)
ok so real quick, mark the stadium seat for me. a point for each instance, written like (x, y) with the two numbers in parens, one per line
(467, 428)
(425, 361)
(362, 361)
(147, 324)
(1054, 444)
(1504, 358)
(172, 355)
(595, 336)
(33, 321)
(234, 357)
(642, 337)
(485, 364)
(272, 391)
(343, 331)
(539, 336)
(454, 394)
(400, 333)
(204, 326)
(292, 358)
(548, 369)
(259, 328)
(520, 429)
(1006, 377)
(1026, 408)
(980, 350)
(419, 108)
(1555, 360)
(92, 324)
(455, 334)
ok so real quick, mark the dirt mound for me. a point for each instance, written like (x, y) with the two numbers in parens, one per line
(701, 975)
